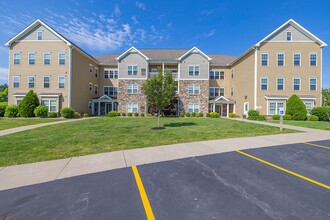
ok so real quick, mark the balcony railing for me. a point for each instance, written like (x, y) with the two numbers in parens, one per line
(175, 75)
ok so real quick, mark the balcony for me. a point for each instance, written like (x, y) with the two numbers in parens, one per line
(175, 75)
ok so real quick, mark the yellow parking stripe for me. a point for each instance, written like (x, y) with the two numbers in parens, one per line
(317, 145)
(285, 170)
(143, 194)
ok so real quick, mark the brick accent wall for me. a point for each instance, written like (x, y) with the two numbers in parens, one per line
(124, 98)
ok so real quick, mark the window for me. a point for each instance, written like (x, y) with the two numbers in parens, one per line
(264, 83)
(312, 84)
(193, 108)
(31, 82)
(110, 90)
(90, 68)
(39, 35)
(289, 35)
(18, 100)
(32, 58)
(232, 73)
(46, 82)
(61, 82)
(193, 89)
(216, 91)
(312, 59)
(280, 59)
(96, 72)
(17, 58)
(113, 74)
(280, 84)
(274, 107)
(309, 107)
(96, 89)
(46, 58)
(51, 104)
(222, 75)
(214, 74)
(16, 81)
(132, 70)
(232, 91)
(132, 107)
(132, 89)
(296, 59)
(90, 86)
(193, 70)
(296, 84)
(61, 59)
(264, 59)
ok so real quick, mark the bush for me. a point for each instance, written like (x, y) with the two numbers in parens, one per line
(123, 114)
(142, 114)
(41, 111)
(244, 116)
(214, 115)
(313, 118)
(276, 117)
(149, 115)
(232, 115)
(2, 109)
(11, 111)
(28, 104)
(130, 114)
(201, 114)
(67, 112)
(194, 114)
(322, 112)
(208, 114)
(52, 114)
(77, 115)
(136, 114)
(188, 114)
(255, 115)
(113, 113)
(287, 117)
(85, 115)
(296, 108)
(181, 114)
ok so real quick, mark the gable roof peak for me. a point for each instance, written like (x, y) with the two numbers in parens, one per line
(132, 48)
(195, 49)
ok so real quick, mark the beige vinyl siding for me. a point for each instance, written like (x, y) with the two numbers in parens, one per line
(46, 35)
(133, 58)
(223, 83)
(106, 82)
(296, 35)
(194, 59)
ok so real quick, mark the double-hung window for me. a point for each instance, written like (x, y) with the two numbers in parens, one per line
(46, 58)
(31, 82)
(132, 89)
(39, 35)
(312, 84)
(280, 59)
(90, 68)
(96, 72)
(193, 108)
(289, 36)
(214, 91)
(296, 84)
(232, 73)
(232, 91)
(16, 81)
(309, 106)
(132, 70)
(264, 59)
(51, 104)
(61, 58)
(280, 83)
(264, 83)
(61, 82)
(32, 58)
(46, 82)
(113, 74)
(312, 59)
(96, 89)
(274, 107)
(17, 58)
(214, 74)
(90, 86)
(193, 70)
(132, 107)
(296, 59)
(193, 89)
(110, 90)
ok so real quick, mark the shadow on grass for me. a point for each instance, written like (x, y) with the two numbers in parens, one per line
(179, 124)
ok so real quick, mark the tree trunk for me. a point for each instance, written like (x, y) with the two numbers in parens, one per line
(158, 119)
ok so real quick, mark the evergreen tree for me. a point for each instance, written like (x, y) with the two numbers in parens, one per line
(296, 108)
(28, 104)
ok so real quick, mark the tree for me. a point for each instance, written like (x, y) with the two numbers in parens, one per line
(28, 104)
(160, 91)
(296, 108)
(326, 97)
(4, 95)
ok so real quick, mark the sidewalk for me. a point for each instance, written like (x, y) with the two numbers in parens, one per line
(28, 174)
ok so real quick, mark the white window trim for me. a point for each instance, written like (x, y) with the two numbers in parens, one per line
(90, 68)
(18, 99)
(59, 58)
(58, 82)
(51, 99)
(277, 83)
(35, 58)
(50, 58)
(194, 70)
(232, 72)
(96, 72)
(28, 81)
(19, 58)
(261, 59)
(96, 89)
(283, 59)
(315, 83)
(131, 104)
(132, 65)
(299, 59)
(43, 82)
(42, 35)
(276, 106)
(19, 83)
(109, 90)
(261, 78)
(137, 89)
(194, 104)
(90, 87)
(286, 36)
(194, 85)
(310, 59)
(312, 105)
(299, 83)
(232, 91)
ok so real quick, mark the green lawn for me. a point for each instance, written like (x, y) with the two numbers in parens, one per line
(322, 125)
(111, 134)
(7, 123)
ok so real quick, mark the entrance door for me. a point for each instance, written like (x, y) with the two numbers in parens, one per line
(109, 107)
(246, 108)
(218, 109)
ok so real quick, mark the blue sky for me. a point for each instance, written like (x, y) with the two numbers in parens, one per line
(225, 27)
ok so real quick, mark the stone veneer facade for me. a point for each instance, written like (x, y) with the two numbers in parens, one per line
(124, 98)
(202, 99)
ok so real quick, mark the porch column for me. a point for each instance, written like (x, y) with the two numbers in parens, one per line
(163, 68)
(213, 107)
(227, 110)
(93, 107)
(112, 106)
(234, 108)
(99, 108)
(105, 108)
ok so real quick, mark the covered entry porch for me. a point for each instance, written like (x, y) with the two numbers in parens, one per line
(103, 105)
(222, 105)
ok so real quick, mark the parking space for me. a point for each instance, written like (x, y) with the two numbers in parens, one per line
(220, 186)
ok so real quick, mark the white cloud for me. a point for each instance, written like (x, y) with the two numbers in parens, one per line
(210, 34)
(134, 19)
(116, 11)
(140, 5)
(4, 74)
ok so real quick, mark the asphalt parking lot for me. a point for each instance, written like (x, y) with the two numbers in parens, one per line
(282, 182)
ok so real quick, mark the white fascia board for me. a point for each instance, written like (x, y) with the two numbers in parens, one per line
(195, 48)
(127, 51)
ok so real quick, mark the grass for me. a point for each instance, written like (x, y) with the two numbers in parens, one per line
(113, 134)
(321, 125)
(7, 123)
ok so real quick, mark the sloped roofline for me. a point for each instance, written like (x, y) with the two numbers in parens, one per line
(195, 48)
(299, 27)
(127, 51)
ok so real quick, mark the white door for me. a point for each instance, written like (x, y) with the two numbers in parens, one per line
(246, 108)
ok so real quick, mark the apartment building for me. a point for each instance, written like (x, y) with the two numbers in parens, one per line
(287, 61)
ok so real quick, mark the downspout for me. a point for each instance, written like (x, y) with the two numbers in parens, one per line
(255, 76)
(321, 98)
(70, 79)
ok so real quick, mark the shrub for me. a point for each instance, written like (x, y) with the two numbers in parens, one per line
(232, 115)
(255, 115)
(113, 113)
(276, 117)
(142, 114)
(201, 114)
(244, 116)
(11, 111)
(149, 115)
(130, 114)
(322, 112)
(123, 114)
(208, 114)
(194, 114)
(214, 115)
(77, 115)
(313, 118)
(181, 114)
(136, 114)
(52, 114)
(296, 108)
(41, 111)
(287, 117)
(2, 109)
(187, 114)
(67, 112)
(85, 115)
(28, 104)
